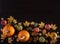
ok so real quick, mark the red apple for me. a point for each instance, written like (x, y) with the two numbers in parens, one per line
(3, 22)
(47, 26)
(36, 29)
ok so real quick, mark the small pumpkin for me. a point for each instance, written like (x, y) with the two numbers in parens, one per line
(8, 30)
(23, 35)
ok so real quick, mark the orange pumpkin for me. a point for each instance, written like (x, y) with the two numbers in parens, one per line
(8, 30)
(23, 36)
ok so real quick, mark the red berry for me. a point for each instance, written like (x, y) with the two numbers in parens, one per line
(47, 26)
(36, 29)
(3, 22)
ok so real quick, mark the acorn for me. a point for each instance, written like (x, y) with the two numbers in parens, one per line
(44, 32)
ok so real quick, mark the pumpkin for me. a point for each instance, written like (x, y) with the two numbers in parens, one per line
(23, 36)
(8, 30)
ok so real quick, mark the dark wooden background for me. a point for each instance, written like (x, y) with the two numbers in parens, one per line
(46, 11)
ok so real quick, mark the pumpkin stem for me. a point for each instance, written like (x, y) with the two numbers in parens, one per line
(7, 31)
(22, 37)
